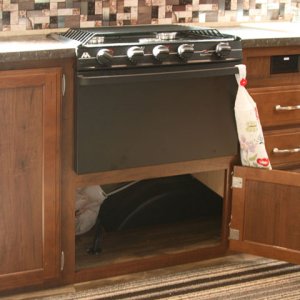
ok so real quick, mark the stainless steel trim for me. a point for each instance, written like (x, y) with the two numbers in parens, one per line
(283, 151)
(63, 84)
(287, 108)
(62, 260)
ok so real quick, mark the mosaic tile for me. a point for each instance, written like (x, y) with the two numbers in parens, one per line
(132, 2)
(41, 6)
(144, 15)
(113, 7)
(178, 8)
(61, 5)
(65, 12)
(6, 18)
(161, 12)
(227, 5)
(14, 18)
(10, 7)
(53, 22)
(91, 8)
(98, 7)
(154, 12)
(134, 14)
(42, 14)
(121, 8)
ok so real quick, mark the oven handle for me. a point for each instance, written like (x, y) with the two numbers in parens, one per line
(85, 80)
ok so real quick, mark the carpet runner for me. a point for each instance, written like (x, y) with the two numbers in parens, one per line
(250, 279)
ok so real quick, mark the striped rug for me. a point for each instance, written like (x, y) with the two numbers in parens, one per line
(250, 279)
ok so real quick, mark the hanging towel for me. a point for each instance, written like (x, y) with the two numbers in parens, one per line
(252, 143)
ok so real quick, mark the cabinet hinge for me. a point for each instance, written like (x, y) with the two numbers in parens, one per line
(62, 260)
(234, 234)
(63, 84)
(237, 182)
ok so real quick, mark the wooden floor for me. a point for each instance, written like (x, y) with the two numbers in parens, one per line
(163, 239)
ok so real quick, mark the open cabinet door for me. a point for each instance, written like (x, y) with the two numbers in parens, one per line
(265, 218)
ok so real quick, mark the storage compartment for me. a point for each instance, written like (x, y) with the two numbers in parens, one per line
(284, 64)
(155, 218)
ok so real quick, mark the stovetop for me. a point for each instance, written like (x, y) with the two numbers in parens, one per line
(151, 45)
(143, 34)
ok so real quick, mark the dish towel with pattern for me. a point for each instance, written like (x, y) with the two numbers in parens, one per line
(252, 143)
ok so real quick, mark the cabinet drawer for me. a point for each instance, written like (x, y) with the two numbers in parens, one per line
(282, 146)
(277, 107)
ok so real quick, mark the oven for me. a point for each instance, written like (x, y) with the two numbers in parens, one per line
(154, 116)
(153, 95)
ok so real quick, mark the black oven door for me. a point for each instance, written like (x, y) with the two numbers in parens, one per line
(141, 117)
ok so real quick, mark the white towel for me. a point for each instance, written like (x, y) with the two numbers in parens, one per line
(252, 143)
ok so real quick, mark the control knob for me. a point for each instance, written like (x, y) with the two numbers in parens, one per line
(134, 53)
(160, 52)
(104, 57)
(223, 49)
(185, 51)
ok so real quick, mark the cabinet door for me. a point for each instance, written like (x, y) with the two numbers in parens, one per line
(29, 177)
(266, 213)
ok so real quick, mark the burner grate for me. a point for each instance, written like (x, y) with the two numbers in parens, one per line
(202, 33)
(78, 35)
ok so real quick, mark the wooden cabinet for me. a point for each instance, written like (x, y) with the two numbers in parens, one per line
(278, 101)
(266, 204)
(260, 212)
(30, 104)
(38, 182)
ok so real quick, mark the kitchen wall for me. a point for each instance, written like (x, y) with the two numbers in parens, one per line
(19, 15)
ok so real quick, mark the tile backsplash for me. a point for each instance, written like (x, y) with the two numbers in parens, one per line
(19, 15)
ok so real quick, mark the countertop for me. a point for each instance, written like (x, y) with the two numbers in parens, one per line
(267, 34)
(31, 47)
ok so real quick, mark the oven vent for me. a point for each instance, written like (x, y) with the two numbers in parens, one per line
(79, 35)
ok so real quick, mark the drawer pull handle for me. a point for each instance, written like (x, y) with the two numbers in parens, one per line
(280, 108)
(295, 150)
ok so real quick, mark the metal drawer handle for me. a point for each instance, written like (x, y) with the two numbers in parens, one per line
(280, 108)
(295, 150)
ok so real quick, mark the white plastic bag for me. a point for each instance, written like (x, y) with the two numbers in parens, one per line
(252, 143)
(87, 204)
